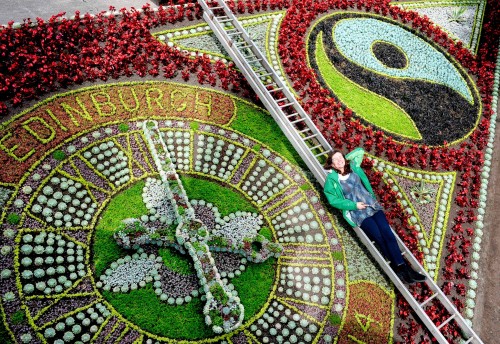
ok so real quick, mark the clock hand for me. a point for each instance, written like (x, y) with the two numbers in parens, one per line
(222, 310)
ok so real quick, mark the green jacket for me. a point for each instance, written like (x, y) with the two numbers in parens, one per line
(333, 189)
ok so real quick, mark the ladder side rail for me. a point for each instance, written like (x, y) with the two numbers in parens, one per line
(400, 286)
(290, 96)
(267, 66)
(285, 126)
(301, 148)
(445, 301)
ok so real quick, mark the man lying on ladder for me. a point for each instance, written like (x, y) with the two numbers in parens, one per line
(348, 189)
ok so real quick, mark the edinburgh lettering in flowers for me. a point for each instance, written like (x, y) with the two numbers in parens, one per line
(32, 134)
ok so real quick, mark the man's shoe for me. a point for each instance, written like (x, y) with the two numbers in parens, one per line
(415, 276)
(404, 276)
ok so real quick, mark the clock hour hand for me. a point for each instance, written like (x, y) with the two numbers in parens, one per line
(223, 311)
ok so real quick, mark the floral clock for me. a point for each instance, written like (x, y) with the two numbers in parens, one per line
(70, 275)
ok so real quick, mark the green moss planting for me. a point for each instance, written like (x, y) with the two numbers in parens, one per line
(18, 317)
(254, 122)
(127, 204)
(13, 218)
(176, 262)
(226, 200)
(59, 155)
(123, 127)
(254, 286)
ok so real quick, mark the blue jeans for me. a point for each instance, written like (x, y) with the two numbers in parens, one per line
(377, 229)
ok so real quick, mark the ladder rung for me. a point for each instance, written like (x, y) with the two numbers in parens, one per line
(469, 340)
(447, 321)
(225, 20)
(306, 129)
(309, 137)
(275, 90)
(221, 17)
(291, 115)
(260, 70)
(299, 120)
(313, 148)
(235, 33)
(282, 99)
(322, 153)
(264, 75)
(284, 106)
(250, 61)
(429, 299)
(242, 46)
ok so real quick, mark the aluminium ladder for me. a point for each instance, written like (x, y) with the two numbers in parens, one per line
(311, 145)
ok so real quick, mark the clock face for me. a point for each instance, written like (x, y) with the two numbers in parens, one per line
(64, 244)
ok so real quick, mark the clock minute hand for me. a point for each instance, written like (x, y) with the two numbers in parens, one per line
(223, 311)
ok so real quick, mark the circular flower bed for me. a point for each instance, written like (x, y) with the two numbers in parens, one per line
(105, 159)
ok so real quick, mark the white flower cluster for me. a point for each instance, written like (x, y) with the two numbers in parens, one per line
(131, 272)
(273, 44)
(157, 202)
(178, 144)
(283, 325)
(200, 40)
(79, 327)
(62, 202)
(235, 227)
(4, 196)
(216, 157)
(110, 161)
(308, 283)
(49, 263)
(264, 182)
(298, 224)
(457, 19)
(446, 17)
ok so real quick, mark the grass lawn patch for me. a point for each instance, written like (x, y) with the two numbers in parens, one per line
(254, 122)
